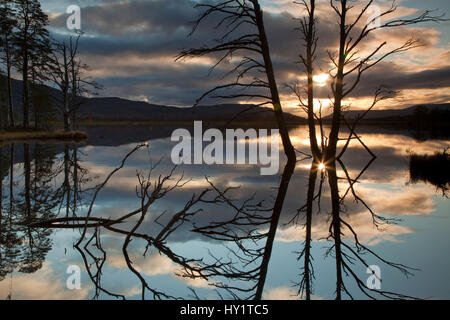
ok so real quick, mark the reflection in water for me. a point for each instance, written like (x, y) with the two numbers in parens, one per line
(433, 169)
(34, 197)
(348, 254)
(163, 219)
(22, 247)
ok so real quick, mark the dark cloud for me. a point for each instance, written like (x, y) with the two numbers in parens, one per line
(131, 48)
(400, 78)
(135, 17)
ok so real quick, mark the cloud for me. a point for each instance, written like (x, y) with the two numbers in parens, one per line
(130, 292)
(119, 18)
(280, 293)
(155, 264)
(407, 201)
(151, 265)
(131, 46)
(361, 223)
(390, 170)
(42, 285)
(284, 293)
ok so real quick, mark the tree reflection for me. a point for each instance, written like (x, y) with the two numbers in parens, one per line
(249, 231)
(253, 247)
(32, 175)
(432, 169)
(307, 274)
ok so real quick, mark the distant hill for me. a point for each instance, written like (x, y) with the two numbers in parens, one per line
(396, 114)
(118, 109)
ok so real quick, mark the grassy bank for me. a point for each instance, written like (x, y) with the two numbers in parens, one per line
(35, 134)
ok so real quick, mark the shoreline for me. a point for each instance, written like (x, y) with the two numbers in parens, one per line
(41, 135)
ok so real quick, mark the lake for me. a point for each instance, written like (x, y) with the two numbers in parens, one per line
(209, 231)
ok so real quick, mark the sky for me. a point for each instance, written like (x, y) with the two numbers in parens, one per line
(131, 45)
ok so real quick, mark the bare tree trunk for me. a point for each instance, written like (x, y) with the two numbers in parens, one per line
(67, 178)
(74, 92)
(25, 98)
(336, 225)
(338, 86)
(288, 148)
(244, 13)
(25, 89)
(75, 179)
(282, 191)
(27, 174)
(66, 91)
(310, 44)
(308, 236)
(10, 99)
(1, 193)
(36, 117)
(11, 178)
(66, 113)
(10, 96)
(34, 102)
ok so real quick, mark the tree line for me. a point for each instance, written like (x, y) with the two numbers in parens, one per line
(28, 51)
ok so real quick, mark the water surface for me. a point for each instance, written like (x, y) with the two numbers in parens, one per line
(204, 252)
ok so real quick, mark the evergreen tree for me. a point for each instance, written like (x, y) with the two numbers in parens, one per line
(7, 24)
(32, 46)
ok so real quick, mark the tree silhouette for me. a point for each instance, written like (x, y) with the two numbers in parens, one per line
(347, 63)
(67, 73)
(7, 24)
(244, 35)
(32, 46)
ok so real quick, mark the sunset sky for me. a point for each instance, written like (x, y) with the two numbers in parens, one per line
(131, 45)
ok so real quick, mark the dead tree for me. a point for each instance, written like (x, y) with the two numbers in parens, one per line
(349, 254)
(250, 217)
(81, 85)
(148, 191)
(349, 66)
(308, 31)
(67, 73)
(243, 230)
(305, 285)
(60, 73)
(244, 35)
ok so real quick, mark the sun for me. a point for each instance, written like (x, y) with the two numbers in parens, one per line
(321, 79)
(321, 166)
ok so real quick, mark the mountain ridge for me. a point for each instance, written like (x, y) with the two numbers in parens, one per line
(121, 109)
(394, 114)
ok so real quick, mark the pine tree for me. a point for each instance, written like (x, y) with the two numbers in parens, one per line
(32, 46)
(7, 24)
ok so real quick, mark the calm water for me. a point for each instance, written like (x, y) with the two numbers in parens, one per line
(219, 246)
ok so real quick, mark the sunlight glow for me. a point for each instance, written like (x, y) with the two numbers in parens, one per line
(321, 166)
(321, 79)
